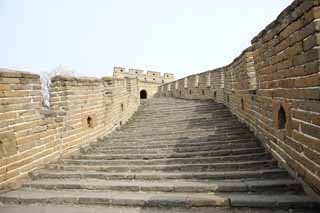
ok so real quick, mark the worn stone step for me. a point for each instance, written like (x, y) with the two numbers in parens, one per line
(51, 208)
(157, 200)
(176, 149)
(172, 130)
(176, 141)
(233, 126)
(90, 197)
(225, 152)
(158, 133)
(256, 174)
(185, 116)
(183, 124)
(164, 112)
(171, 143)
(181, 137)
(241, 157)
(195, 167)
(179, 126)
(184, 133)
(253, 186)
(275, 201)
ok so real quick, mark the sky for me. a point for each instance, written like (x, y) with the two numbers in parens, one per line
(183, 37)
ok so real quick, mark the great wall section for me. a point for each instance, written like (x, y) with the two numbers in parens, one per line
(241, 138)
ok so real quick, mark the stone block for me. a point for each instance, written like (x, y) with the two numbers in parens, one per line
(8, 145)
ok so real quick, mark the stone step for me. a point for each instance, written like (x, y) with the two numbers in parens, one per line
(156, 200)
(219, 112)
(208, 137)
(224, 152)
(176, 122)
(51, 208)
(176, 110)
(182, 139)
(195, 167)
(177, 148)
(171, 143)
(183, 116)
(85, 197)
(180, 127)
(176, 141)
(252, 186)
(241, 157)
(222, 175)
(219, 122)
(209, 134)
(155, 131)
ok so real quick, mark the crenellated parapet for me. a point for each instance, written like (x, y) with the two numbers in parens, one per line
(148, 82)
(149, 76)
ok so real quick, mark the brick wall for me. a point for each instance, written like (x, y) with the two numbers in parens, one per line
(274, 87)
(82, 110)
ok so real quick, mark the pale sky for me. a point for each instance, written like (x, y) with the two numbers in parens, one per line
(92, 36)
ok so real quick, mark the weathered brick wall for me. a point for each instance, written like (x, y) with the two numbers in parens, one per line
(82, 110)
(286, 56)
(274, 87)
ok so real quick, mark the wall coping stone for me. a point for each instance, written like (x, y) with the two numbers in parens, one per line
(8, 73)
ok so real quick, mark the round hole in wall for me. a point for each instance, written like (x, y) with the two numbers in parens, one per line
(282, 120)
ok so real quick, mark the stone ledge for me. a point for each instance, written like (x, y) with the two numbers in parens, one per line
(7, 73)
(78, 79)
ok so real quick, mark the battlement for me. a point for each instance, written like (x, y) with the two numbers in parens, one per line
(149, 76)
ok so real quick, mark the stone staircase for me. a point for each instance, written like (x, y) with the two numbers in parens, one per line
(173, 154)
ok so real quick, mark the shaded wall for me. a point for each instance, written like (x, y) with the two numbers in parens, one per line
(273, 87)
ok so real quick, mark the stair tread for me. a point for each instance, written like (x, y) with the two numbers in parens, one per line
(168, 183)
(155, 198)
(51, 208)
(238, 164)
